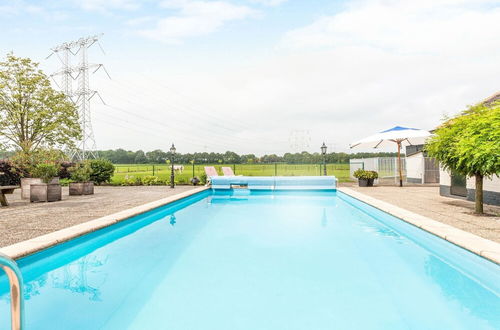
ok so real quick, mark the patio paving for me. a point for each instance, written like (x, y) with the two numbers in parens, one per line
(426, 201)
(23, 220)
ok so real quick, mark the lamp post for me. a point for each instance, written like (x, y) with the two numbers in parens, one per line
(323, 152)
(172, 176)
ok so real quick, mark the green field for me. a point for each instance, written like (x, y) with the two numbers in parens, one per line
(162, 171)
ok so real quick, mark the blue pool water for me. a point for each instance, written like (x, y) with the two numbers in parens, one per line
(289, 260)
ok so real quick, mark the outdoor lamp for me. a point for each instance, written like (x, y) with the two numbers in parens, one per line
(172, 176)
(323, 149)
(323, 152)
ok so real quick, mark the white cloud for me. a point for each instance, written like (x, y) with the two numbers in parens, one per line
(195, 18)
(439, 27)
(270, 3)
(106, 5)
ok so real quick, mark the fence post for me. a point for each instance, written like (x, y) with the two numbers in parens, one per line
(275, 169)
(234, 168)
(193, 168)
(153, 170)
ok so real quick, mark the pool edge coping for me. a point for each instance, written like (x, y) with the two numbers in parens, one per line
(39, 243)
(483, 247)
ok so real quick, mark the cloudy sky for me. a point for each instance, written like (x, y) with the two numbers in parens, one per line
(267, 76)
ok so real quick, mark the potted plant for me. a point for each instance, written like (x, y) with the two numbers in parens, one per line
(371, 175)
(195, 181)
(47, 191)
(25, 164)
(362, 177)
(80, 176)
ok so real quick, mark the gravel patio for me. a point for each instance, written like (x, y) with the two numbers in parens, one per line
(23, 220)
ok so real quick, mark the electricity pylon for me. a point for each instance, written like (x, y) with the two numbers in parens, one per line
(86, 147)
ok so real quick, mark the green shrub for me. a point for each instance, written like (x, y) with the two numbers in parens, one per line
(361, 174)
(150, 180)
(65, 182)
(203, 178)
(81, 172)
(102, 170)
(26, 162)
(365, 175)
(132, 181)
(45, 171)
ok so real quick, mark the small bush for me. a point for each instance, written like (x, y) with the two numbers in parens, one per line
(361, 174)
(132, 181)
(26, 163)
(150, 180)
(203, 178)
(65, 182)
(365, 175)
(81, 172)
(45, 171)
(102, 170)
(9, 174)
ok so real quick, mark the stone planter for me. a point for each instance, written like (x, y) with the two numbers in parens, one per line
(27, 182)
(44, 192)
(370, 182)
(363, 182)
(81, 188)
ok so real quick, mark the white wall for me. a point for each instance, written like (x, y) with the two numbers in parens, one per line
(415, 166)
(444, 177)
(492, 184)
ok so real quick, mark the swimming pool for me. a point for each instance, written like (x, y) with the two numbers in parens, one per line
(259, 260)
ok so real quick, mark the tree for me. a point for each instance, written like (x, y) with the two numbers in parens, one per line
(140, 157)
(469, 144)
(32, 113)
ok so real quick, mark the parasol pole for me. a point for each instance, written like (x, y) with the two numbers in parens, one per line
(399, 163)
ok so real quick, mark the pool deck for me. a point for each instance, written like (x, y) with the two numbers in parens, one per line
(23, 220)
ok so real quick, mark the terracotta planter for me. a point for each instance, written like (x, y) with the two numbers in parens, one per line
(81, 188)
(44, 192)
(27, 182)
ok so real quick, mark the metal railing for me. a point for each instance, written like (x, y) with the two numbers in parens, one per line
(10, 268)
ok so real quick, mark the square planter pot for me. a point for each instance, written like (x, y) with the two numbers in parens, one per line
(27, 182)
(81, 188)
(44, 192)
(363, 182)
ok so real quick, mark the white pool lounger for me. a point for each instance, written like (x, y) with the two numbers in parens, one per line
(276, 182)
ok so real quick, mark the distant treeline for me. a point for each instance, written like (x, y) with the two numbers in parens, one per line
(121, 156)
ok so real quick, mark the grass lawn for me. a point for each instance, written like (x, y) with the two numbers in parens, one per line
(162, 171)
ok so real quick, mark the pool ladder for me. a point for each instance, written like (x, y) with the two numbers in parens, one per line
(10, 268)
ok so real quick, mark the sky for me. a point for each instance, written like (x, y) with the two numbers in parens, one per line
(266, 76)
